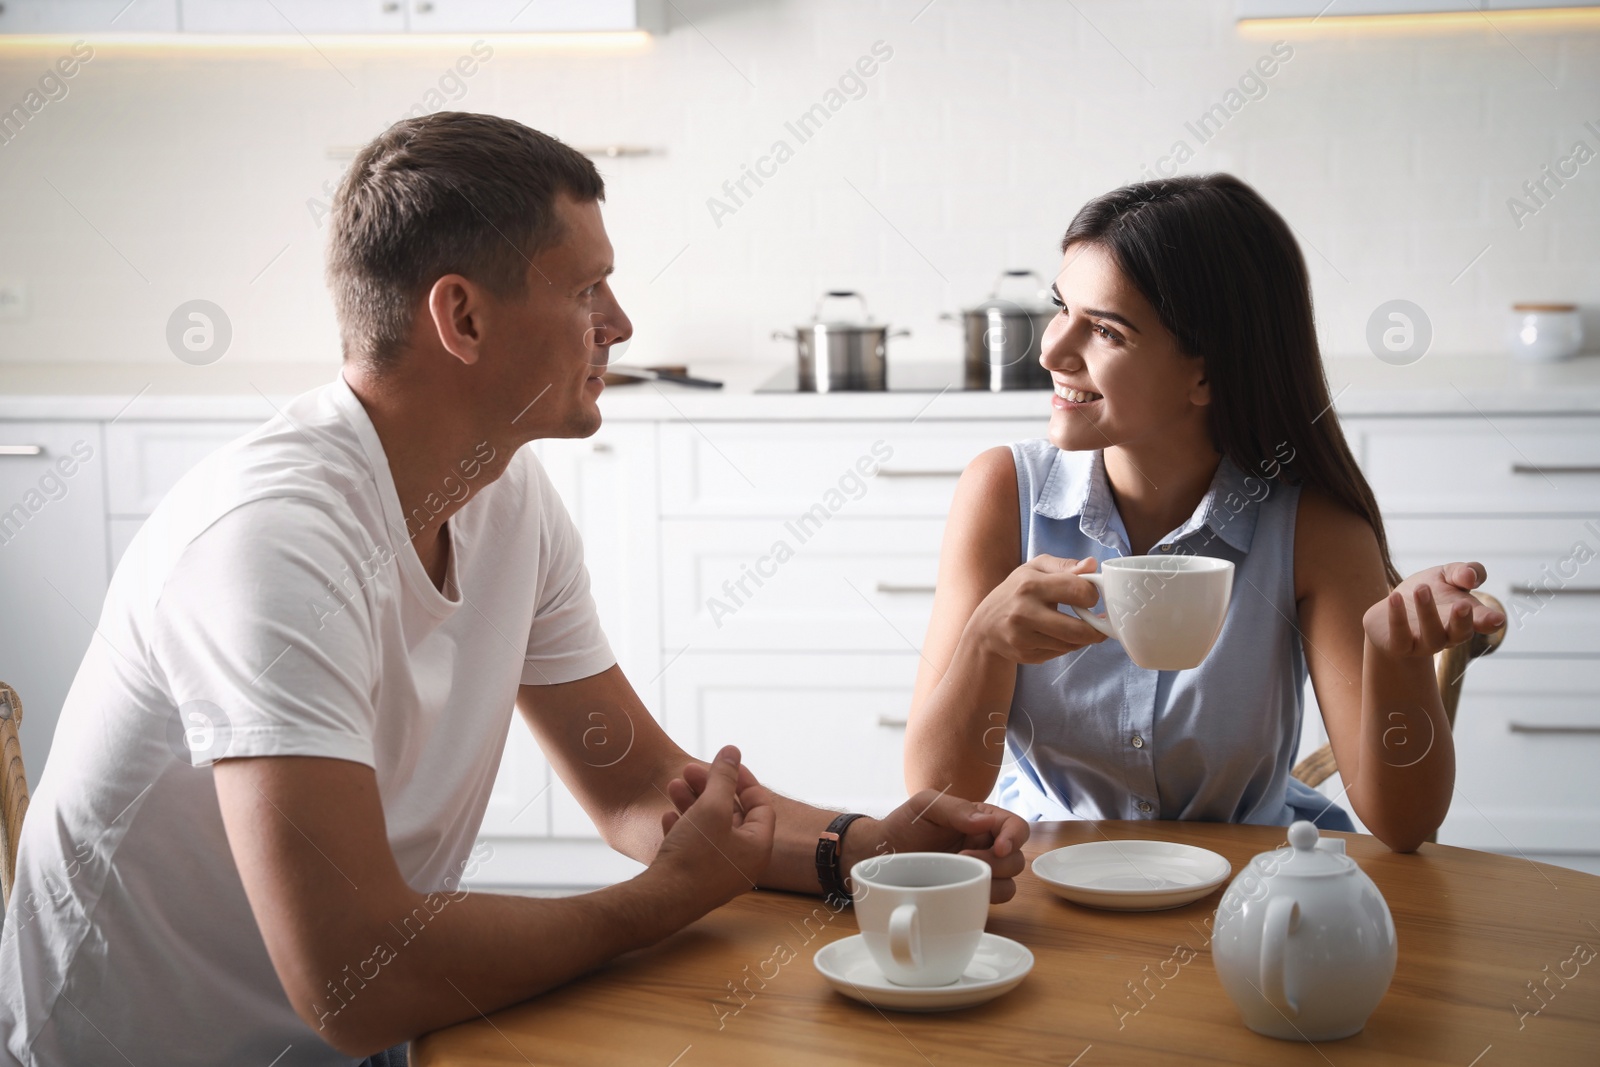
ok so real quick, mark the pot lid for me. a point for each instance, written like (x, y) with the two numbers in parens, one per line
(835, 295)
(1022, 301)
(1304, 858)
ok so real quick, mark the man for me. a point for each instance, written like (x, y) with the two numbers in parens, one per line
(249, 838)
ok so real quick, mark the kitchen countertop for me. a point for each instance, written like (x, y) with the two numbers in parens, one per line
(1362, 386)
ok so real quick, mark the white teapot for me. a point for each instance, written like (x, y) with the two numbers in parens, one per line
(1303, 941)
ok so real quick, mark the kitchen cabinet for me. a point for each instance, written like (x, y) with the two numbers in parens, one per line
(331, 16)
(608, 484)
(295, 16)
(546, 16)
(826, 726)
(88, 16)
(683, 499)
(1522, 497)
(53, 572)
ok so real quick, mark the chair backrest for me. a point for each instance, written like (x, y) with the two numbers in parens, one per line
(13, 788)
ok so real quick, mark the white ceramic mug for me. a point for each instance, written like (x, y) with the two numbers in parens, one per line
(1165, 610)
(921, 914)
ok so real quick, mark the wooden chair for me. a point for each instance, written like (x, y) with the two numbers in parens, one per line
(1450, 666)
(13, 788)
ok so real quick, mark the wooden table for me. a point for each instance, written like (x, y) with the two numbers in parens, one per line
(1478, 933)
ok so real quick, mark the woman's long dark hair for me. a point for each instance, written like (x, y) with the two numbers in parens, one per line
(1223, 271)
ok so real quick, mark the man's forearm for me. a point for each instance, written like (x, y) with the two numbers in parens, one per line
(455, 955)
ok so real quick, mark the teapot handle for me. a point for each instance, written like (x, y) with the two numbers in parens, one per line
(1283, 916)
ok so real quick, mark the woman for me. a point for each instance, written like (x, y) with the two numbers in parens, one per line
(1190, 415)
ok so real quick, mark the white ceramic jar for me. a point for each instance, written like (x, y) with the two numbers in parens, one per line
(1304, 943)
(1541, 333)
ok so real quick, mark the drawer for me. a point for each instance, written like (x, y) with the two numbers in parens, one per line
(824, 728)
(735, 469)
(1545, 571)
(1484, 465)
(145, 459)
(1527, 739)
(848, 585)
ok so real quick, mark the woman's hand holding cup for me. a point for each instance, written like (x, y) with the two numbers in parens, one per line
(1019, 620)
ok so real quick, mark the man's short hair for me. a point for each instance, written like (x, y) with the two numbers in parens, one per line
(448, 193)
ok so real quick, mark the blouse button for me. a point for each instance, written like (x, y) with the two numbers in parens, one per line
(1144, 806)
(1166, 548)
(1138, 742)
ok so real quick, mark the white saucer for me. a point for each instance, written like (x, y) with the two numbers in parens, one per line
(1132, 875)
(999, 965)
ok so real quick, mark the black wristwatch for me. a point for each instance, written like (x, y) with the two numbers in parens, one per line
(829, 847)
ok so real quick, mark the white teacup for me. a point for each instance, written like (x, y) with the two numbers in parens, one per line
(921, 913)
(1165, 610)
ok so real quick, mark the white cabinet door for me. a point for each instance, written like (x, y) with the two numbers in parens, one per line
(52, 567)
(852, 584)
(294, 16)
(1527, 739)
(521, 16)
(145, 459)
(1473, 466)
(814, 471)
(608, 484)
(88, 16)
(825, 728)
(519, 804)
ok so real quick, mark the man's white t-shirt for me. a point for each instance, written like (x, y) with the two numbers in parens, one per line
(272, 606)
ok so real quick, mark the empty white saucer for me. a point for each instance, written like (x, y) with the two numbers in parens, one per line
(998, 966)
(1132, 875)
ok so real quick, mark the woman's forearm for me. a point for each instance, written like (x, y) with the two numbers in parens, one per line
(955, 738)
(1402, 786)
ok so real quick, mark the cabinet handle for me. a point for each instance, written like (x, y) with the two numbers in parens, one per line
(892, 588)
(1544, 728)
(889, 722)
(600, 446)
(21, 450)
(424, 8)
(890, 472)
(391, 7)
(1524, 589)
(1554, 468)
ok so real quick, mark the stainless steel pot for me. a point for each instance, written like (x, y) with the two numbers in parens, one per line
(839, 355)
(1004, 337)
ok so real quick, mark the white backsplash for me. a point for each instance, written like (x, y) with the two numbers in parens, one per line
(963, 143)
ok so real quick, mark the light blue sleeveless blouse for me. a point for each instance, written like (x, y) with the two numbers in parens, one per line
(1091, 736)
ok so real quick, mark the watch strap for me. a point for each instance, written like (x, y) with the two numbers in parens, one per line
(829, 848)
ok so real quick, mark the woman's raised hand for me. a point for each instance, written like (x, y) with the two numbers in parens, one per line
(1019, 620)
(1431, 611)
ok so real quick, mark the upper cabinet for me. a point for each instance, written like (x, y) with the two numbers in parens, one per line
(539, 16)
(295, 16)
(330, 16)
(88, 16)
(1318, 9)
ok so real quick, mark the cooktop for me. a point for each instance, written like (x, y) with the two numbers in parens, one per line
(910, 377)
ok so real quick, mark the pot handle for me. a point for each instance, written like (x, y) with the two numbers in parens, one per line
(841, 294)
(1283, 916)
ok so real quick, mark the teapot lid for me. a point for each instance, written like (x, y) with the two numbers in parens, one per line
(1308, 855)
